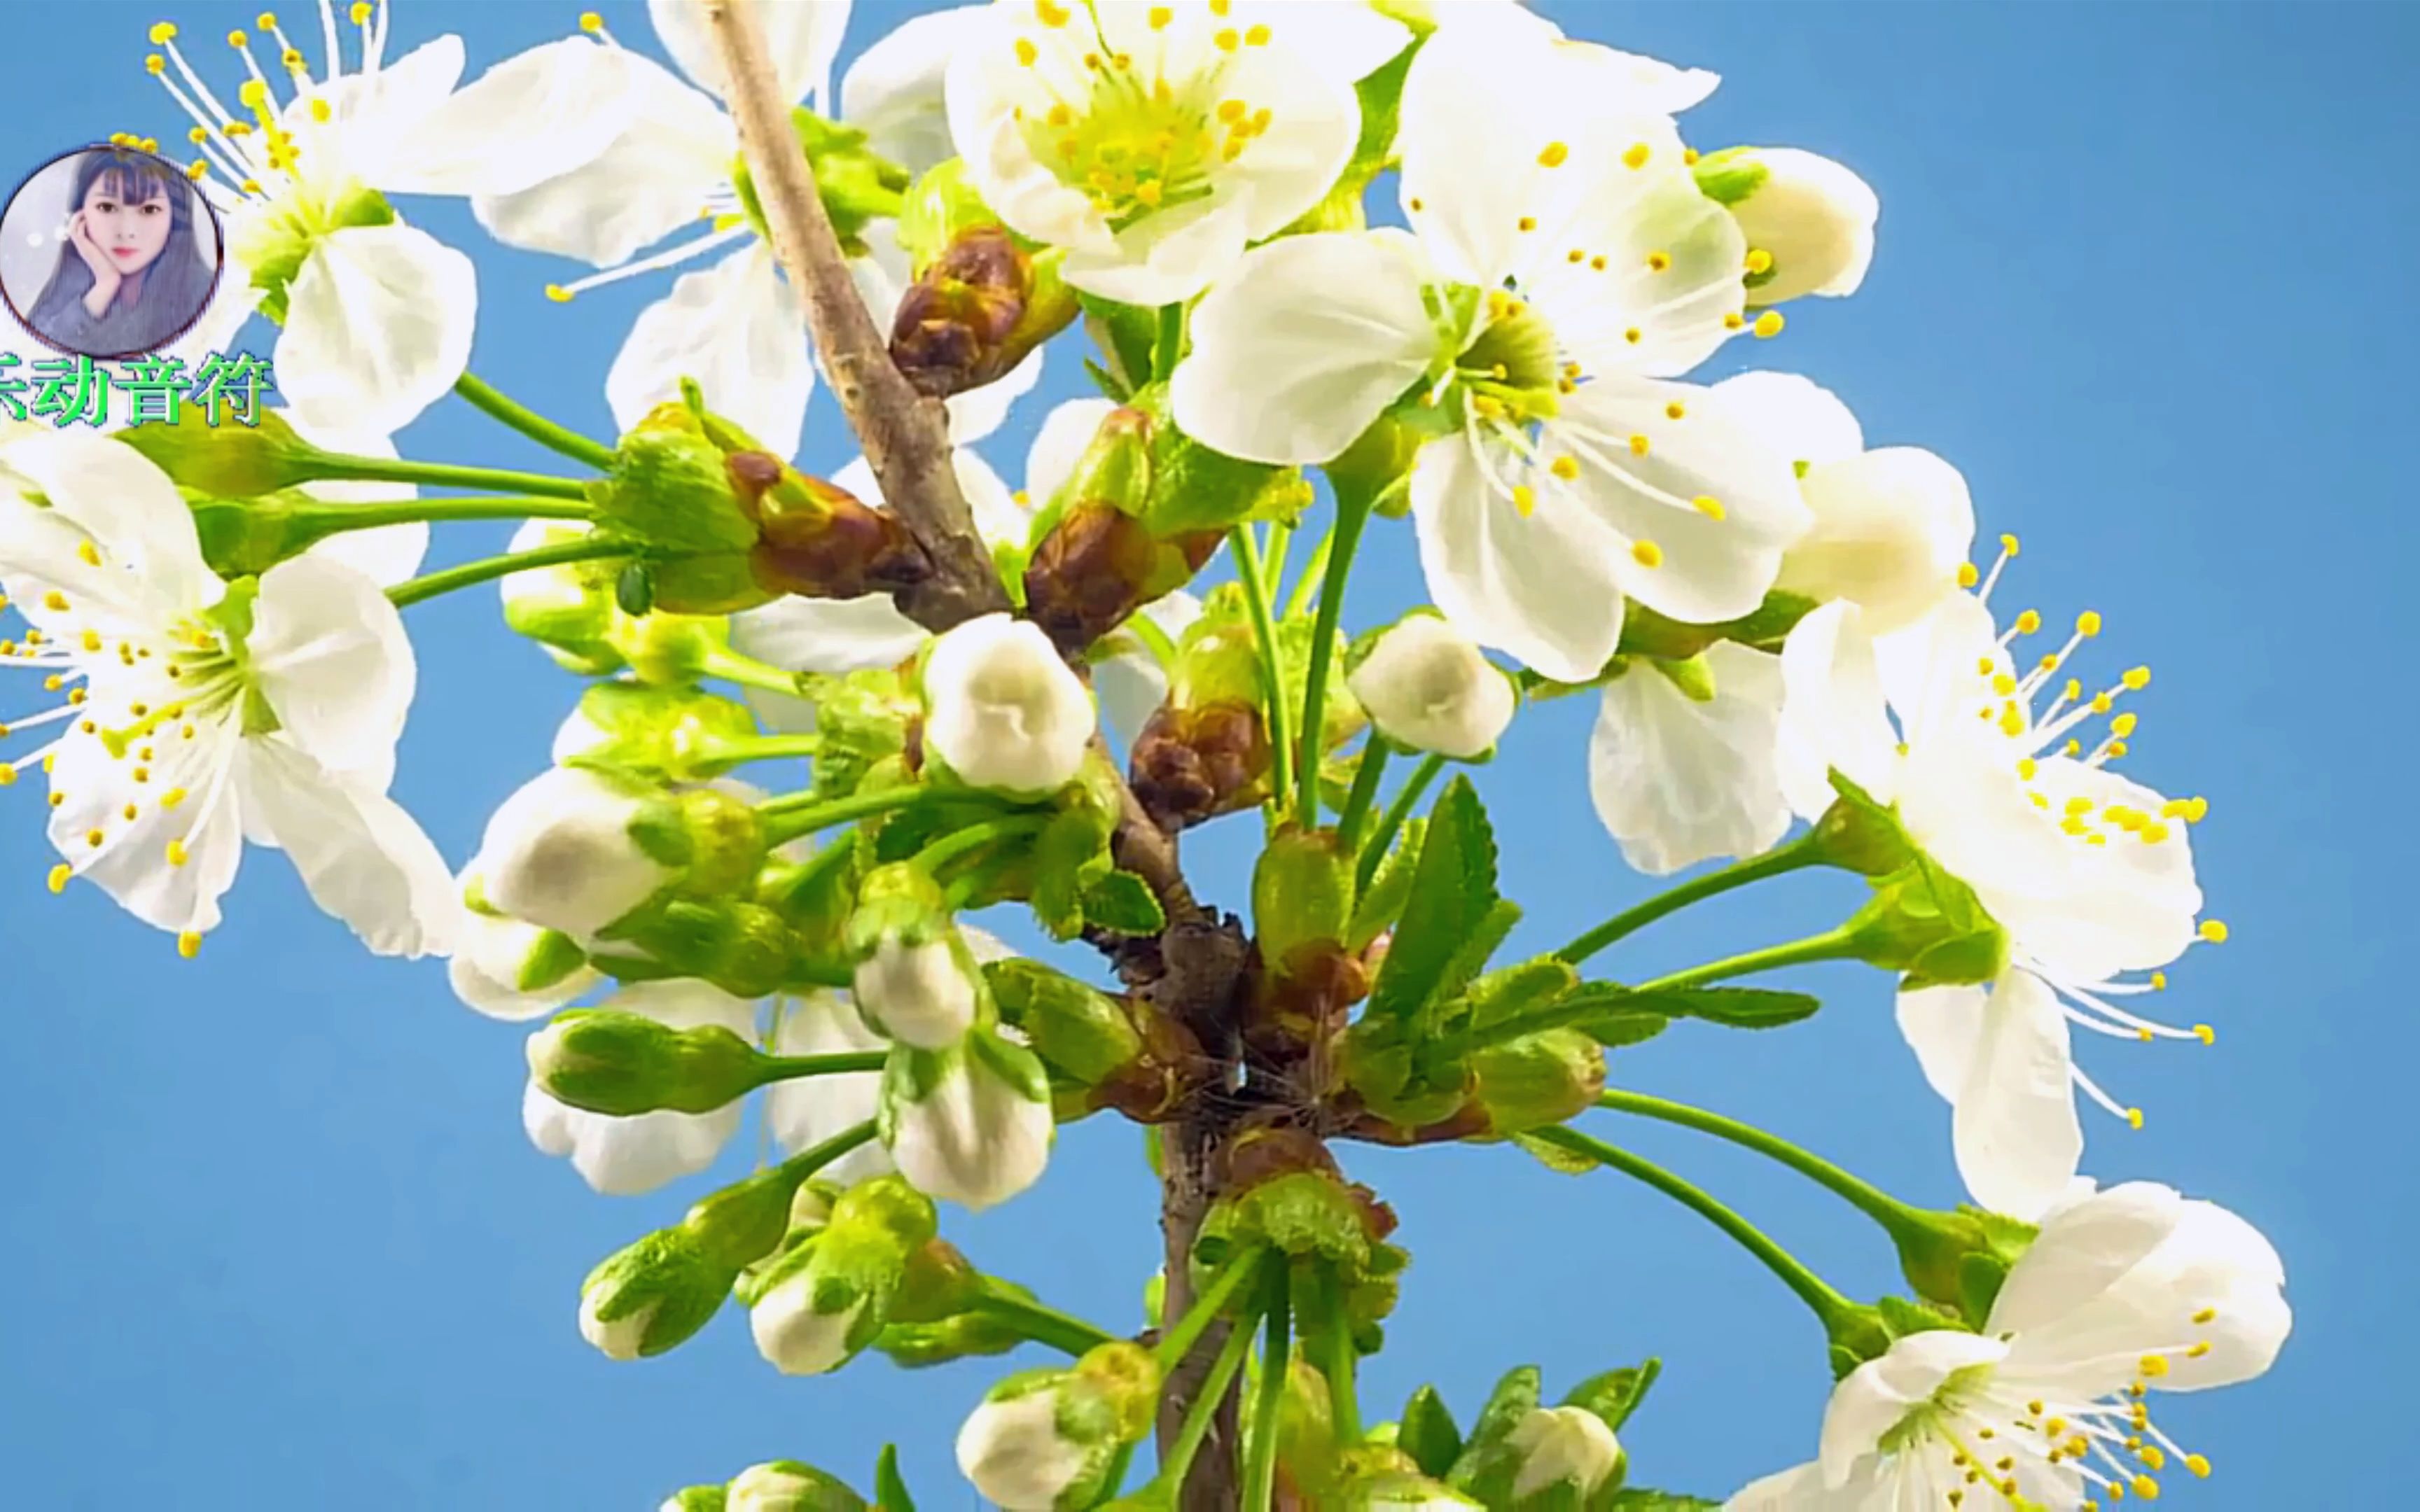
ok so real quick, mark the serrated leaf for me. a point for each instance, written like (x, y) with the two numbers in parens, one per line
(1107, 382)
(1427, 1432)
(1514, 1397)
(889, 1488)
(1069, 856)
(1620, 1026)
(1453, 894)
(1382, 903)
(1467, 961)
(1123, 902)
(1125, 334)
(1554, 1157)
(1639, 1499)
(1616, 1394)
(1735, 1008)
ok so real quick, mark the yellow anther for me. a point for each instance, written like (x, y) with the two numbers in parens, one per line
(1758, 260)
(2136, 678)
(2134, 1121)
(163, 33)
(591, 23)
(1576, 256)
(1415, 205)
(1967, 576)
(1632, 335)
(2101, 703)
(2088, 623)
(1769, 324)
(2008, 544)
(155, 64)
(172, 797)
(178, 854)
(189, 944)
(2026, 768)
(320, 111)
(60, 875)
(1524, 499)
(1658, 261)
(2154, 832)
(1596, 263)
(1159, 16)
(1527, 222)
(1639, 446)
(558, 294)
(1733, 320)
(1708, 505)
(2159, 981)
(1564, 468)
(1637, 156)
(2124, 724)
(1647, 553)
(266, 21)
(361, 12)
(1050, 13)
(1556, 154)
(1256, 35)
(292, 60)
(2145, 1487)
(2012, 722)
(1675, 410)
(92, 837)
(2028, 622)
(2003, 685)
(2215, 930)
(1026, 52)
(2199, 1464)
(1227, 38)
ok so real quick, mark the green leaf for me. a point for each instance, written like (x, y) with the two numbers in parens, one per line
(1514, 1397)
(1453, 897)
(1735, 1008)
(1382, 903)
(1620, 1026)
(1123, 903)
(1070, 856)
(1520, 989)
(1127, 334)
(1639, 1499)
(890, 1489)
(1427, 1432)
(1616, 1394)
(1554, 1157)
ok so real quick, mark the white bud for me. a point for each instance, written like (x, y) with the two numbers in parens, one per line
(1016, 1453)
(1563, 1446)
(1891, 528)
(512, 970)
(981, 1132)
(1814, 217)
(778, 1486)
(1003, 709)
(559, 854)
(795, 1338)
(620, 1338)
(917, 995)
(565, 609)
(1427, 685)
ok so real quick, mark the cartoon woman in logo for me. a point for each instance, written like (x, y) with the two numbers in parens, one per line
(132, 275)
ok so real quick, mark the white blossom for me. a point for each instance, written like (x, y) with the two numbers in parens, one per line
(804, 1111)
(1427, 685)
(1562, 1446)
(917, 995)
(559, 852)
(1678, 779)
(1003, 709)
(1018, 1455)
(195, 714)
(971, 1124)
(626, 1155)
(1809, 222)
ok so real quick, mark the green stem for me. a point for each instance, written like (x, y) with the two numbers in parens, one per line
(730, 753)
(786, 819)
(786, 1068)
(1353, 506)
(1177, 1342)
(965, 843)
(1043, 1325)
(1304, 586)
(1391, 822)
(555, 437)
(1337, 1358)
(1365, 791)
(1801, 852)
(1205, 1407)
(337, 518)
(488, 569)
(747, 672)
(1154, 639)
(1828, 1304)
(1268, 1407)
(339, 466)
(1167, 341)
(807, 1162)
(1896, 1217)
(1279, 547)
(1256, 603)
(1832, 945)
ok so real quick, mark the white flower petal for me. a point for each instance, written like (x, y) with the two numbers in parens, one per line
(1677, 781)
(388, 554)
(1804, 421)
(378, 327)
(807, 1110)
(381, 118)
(802, 37)
(627, 1156)
(893, 91)
(1066, 433)
(1541, 588)
(555, 103)
(1944, 1025)
(129, 507)
(1832, 718)
(1873, 1398)
(1798, 1490)
(1298, 349)
(1129, 680)
(2083, 1251)
(1166, 256)
(132, 864)
(364, 859)
(1342, 43)
(737, 328)
(827, 635)
(650, 181)
(2014, 1123)
(330, 656)
(977, 412)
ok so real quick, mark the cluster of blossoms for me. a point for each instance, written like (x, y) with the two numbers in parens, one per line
(1779, 624)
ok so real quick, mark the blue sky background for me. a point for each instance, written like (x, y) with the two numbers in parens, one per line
(272, 1237)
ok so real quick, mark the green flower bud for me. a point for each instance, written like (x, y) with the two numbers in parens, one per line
(653, 1295)
(1192, 764)
(825, 1300)
(1302, 894)
(856, 184)
(1079, 1030)
(818, 540)
(961, 1336)
(1048, 1438)
(672, 733)
(1928, 924)
(976, 310)
(625, 1064)
(938, 206)
(695, 1499)
(669, 488)
(1537, 1080)
(1098, 564)
(1562, 1456)
(227, 462)
(567, 608)
(788, 1486)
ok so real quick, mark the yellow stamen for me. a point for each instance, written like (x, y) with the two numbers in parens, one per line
(1768, 324)
(1647, 553)
(59, 876)
(1556, 153)
(189, 944)
(2215, 930)
(1637, 156)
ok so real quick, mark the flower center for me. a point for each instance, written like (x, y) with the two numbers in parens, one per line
(1128, 142)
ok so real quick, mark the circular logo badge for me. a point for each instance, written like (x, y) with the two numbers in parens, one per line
(109, 252)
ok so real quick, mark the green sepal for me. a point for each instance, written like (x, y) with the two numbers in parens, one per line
(1378, 907)
(890, 1486)
(1615, 1395)
(665, 733)
(1484, 1453)
(1123, 904)
(1427, 1433)
(1730, 175)
(1451, 898)
(1930, 925)
(1125, 335)
(626, 1064)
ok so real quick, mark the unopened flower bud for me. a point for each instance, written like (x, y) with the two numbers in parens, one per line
(227, 462)
(625, 1064)
(1192, 764)
(1891, 528)
(1098, 564)
(1537, 1080)
(1048, 1439)
(788, 1486)
(651, 1296)
(977, 310)
(696, 1499)
(677, 733)
(826, 1298)
(1427, 685)
(566, 609)
(668, 487)
(1809, 222)
(1002, 710)
(819, 540)
(1396, 1489)
(510, 969)
(560, 852)
(918, 995)
(1567, 1457)
(970, 1124)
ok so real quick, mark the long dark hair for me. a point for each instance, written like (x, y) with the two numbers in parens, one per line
(177, 284)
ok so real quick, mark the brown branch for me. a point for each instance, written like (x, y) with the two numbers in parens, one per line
(906, 436)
